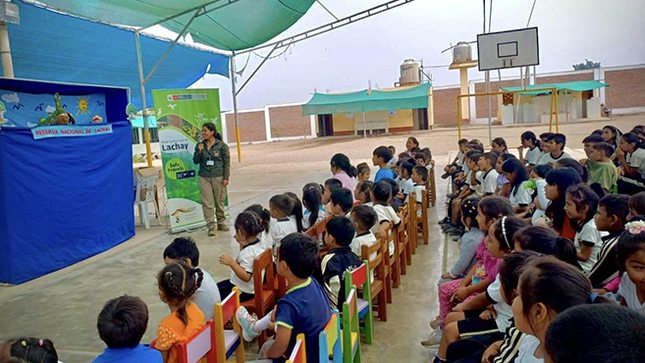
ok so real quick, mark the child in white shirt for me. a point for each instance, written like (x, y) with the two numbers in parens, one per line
(631, 259)
(386, 216)
(581, 203)
(488, 180)
(280, 207)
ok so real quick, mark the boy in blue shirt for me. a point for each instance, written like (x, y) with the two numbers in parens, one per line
(380, 157)
(303, 309)
(121, 325)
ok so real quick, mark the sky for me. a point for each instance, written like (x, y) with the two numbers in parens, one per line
(346, 59)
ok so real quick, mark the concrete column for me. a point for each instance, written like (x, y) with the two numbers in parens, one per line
(267, 122)
(463, 78)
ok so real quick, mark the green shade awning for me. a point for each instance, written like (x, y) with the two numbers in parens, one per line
(231, 25)
(577, 86)
(365, 101)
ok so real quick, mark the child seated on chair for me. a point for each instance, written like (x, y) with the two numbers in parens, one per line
(419, 177)
(342, 201)
(177, 284)
(330, 186)
(185, 249)
(303, 309)
(121, 325)
(386, 216)
(247, 229)
(280, 208)
(364, 218)
(340, 258)
(601, 169)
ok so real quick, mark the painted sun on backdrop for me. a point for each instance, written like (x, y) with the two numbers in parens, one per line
(83, 104)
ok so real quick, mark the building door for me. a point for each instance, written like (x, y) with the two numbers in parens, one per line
(325, 125)
(423, 118)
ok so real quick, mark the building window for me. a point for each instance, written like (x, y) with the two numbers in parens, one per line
(154, 135)
(136, 139)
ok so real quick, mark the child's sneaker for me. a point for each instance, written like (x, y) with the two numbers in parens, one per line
(247, 321)
(433, 340)
(436, 323)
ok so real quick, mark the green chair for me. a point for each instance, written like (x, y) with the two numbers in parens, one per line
(351, 332)
(360, 277)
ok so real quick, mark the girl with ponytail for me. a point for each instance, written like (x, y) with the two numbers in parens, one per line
(28, 350)
(546, 241)
(546, 288)
(631, 155)
(344, 172)
(177, 285)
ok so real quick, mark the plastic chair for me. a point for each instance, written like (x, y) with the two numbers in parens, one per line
(378, 269)
(299, 352)
(228, 341)
(265, 289)
(350, 332)
(329, 341)
(146, 186)
(359, 278)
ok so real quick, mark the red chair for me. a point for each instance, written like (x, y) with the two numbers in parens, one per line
(265, 292)
(299, 353)
(198, 346)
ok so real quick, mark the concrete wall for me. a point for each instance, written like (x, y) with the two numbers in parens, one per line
(251, 123)
(288, 121)
(627, 88)
(445, 106)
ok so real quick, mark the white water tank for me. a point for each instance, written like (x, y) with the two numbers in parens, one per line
(409, 72)
(462, 52)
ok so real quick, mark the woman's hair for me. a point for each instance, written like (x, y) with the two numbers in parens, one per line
(530, 136)
(382, 191)
(469, 210)
(178, 283)
(495, 207)
(596, 333)
(630, 241)
(414, 140)
(312, 199)
(570, 163)
(263, 213)
(296, 211)
(29, 350)
(211, 127)
(341, 161)
(555, 284)
(583, 196)
(365, 187)
(516, 167)
(505, 230)
(632, 138)
(547, 242)
(361, 168)
(510, 270)
(614, 130)
(563, 179)
(500, 142)
(637, 203)
(249, 223)
(542, 170)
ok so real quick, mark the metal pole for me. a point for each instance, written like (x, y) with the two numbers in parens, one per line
(7, 63)
(237, 129)
(146, 130)
(256, 70)
(557, 110)
(490, 121)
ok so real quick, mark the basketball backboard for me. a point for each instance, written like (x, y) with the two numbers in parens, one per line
(508, 49)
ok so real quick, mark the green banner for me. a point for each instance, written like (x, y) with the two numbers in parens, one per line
(180, 115)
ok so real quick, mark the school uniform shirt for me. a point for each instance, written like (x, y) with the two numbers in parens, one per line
(386, 213)
(304, 309)
(138, 354)
(604, 173)
(526, 351)
(479, 188)
(588, 235)
(208, 295)
(265, 240)
(606, 267)
(406, 186)
(637, 160)
(520, 195)
(418, 190)
(548, 158)
(366, 238)
(503, 310)
(460, 158)
(384, 173)
(307, 214)
(489, 181)
(245, 259)
(541, 197)
(278, 229)
(392, 161)
(333, 266)
(533, 155)
(627, 290)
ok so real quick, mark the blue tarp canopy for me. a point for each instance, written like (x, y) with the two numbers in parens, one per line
(56, 47)
(63, 199)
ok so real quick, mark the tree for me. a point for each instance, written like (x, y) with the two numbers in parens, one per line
(587, 64)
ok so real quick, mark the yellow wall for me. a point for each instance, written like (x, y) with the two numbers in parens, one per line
(342, 122)
(400, 118)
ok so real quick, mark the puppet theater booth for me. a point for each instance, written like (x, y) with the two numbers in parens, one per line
(62, 199)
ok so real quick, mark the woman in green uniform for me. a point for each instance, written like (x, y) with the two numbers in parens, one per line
(214, 161)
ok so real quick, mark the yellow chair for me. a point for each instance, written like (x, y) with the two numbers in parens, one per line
(228, 341)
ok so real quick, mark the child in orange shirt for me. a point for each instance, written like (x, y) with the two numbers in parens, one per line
(177, 284)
